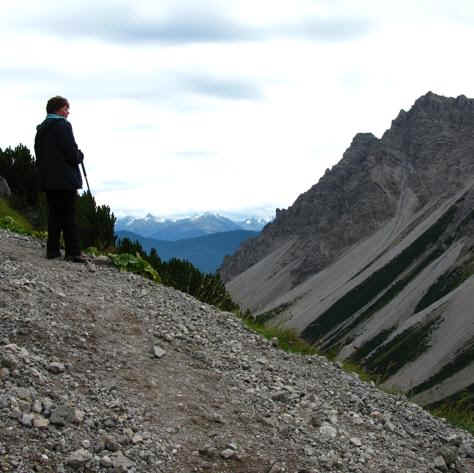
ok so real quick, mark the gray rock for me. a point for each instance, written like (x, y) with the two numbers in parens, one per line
(4, 188)
(158, 352)
(27, 419)
(328, 431)
(120, 462)
(106, 461)
(227, 453)
(356, 441)
(56, 367)
(40, 422)
(63, 415)
(78, 458)
(8, 360)
(111, 443)
(4, 373)
(440, 464)
(37, 406)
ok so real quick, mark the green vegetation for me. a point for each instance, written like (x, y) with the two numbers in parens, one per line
(181, 275)
(446, 283)
(287, 338)
(458, 409)
(266, 316)
(96, 223)
(135, 264)
(17, 166)
(386, 297)
(371, 345)
(6, 211)
(405, 347)
(366, 291)
(464, 357)
(27, 205)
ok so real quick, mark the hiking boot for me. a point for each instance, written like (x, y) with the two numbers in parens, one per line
(53, 254)
(76, 258)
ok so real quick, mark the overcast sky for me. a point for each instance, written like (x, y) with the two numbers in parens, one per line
(229, 106)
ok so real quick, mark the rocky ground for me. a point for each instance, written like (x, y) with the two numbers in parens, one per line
(105, 371)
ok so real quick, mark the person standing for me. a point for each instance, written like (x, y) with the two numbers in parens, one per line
(58, 158)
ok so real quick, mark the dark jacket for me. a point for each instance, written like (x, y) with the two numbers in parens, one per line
(57, 156)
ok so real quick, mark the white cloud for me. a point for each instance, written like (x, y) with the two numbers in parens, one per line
(232, 105)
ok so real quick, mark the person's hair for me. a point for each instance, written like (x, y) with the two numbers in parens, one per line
(55, 103)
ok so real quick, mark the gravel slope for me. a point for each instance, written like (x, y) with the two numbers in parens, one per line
(106, 371)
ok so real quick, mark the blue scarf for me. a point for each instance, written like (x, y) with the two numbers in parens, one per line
(53, 115)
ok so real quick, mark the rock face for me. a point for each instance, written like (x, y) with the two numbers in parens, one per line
(221, 399)
(378, 251)
(4, 188)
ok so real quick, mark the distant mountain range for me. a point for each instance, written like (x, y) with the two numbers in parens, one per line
(184, 228)
(205, 252)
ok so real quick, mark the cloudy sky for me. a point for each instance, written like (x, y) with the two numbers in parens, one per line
(228, 105)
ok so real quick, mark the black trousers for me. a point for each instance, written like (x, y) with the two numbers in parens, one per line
(62, 217)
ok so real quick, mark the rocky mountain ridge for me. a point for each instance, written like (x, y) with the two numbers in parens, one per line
(427, 151)
(379, 250)
(106, 371)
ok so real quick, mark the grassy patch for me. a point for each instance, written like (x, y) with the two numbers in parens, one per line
(20, 220)
(457, 410)
(266, 316)
(287, 338)
(135, 264)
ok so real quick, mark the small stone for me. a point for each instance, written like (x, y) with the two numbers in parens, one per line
(56, 367)
(466, 449)
(4, 373)
(208, 452)
(24, 394)
(327, 430)
(106, 461)
(440, 464)
(37, 406)
(390, 426)
(280, 396)
(86, 443)
(8, 360)
(27, 420)
(227, 453)
(158, 352)
(276, 469)
(137, 438)
(316, 420)
(40, 422)
(78, 458)
(356, 441)
(47, 404)
(111, 444)
(120, 462)
(101, 259)
(66, 415)
(309, 451)
(78, 416)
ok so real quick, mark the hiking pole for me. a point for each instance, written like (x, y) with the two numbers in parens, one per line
(85, 175)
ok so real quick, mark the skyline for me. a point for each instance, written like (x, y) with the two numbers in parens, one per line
(235, 107)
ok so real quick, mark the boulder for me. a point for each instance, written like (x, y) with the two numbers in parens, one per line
(4, 188)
